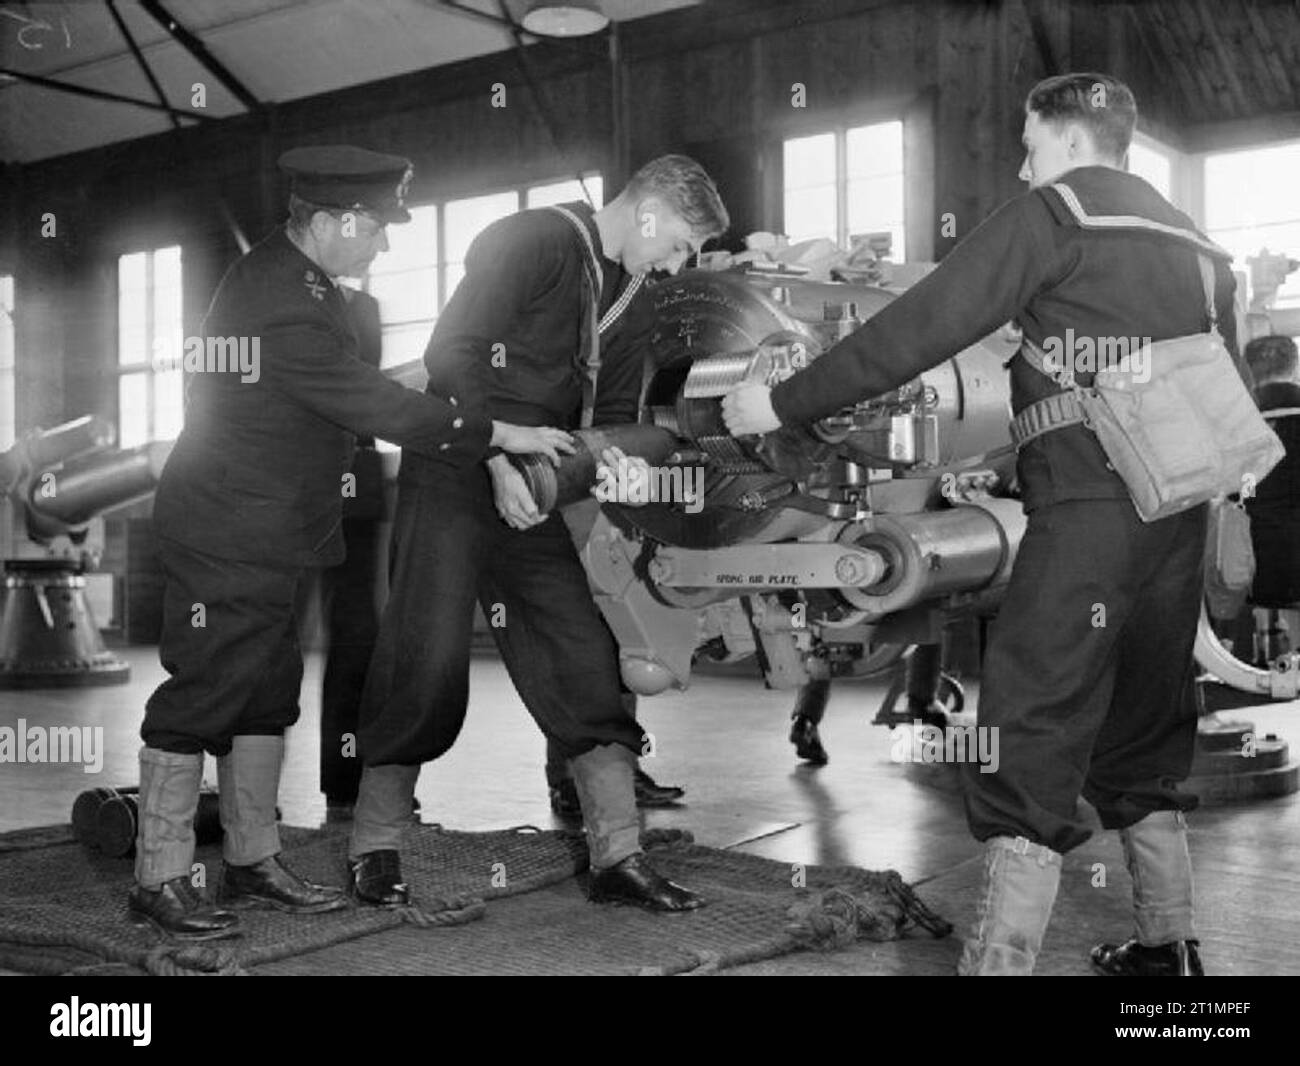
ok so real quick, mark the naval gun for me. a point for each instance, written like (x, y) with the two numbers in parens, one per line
(827, 551)
(833, 550)
(54, 485)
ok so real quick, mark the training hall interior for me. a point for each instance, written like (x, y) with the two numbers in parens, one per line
(806, 650)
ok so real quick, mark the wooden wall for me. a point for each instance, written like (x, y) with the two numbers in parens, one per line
(714, 81)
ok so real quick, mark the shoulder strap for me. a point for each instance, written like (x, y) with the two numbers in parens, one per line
(592, 263)
(597, 275)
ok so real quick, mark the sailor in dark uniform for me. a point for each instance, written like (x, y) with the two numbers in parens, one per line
(518, 339)
(248, 503)
(1102, 710)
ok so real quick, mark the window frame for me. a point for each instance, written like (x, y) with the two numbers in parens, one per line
(148, 366)
(441, 263)
(918, 115)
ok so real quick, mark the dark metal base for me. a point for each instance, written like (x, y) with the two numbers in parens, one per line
(48, 635)
(1233, 764)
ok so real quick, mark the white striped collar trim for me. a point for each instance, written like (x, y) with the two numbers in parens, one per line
(598, 275)
(1071, 201)
(620, 305)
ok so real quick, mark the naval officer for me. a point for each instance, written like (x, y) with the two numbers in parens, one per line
(250, 501)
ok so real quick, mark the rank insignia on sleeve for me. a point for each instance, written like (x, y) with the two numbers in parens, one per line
(313, 285)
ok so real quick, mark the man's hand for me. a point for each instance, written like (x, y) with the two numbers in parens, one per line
(514, 502)
(541, 439)
(622, 469)
(747, 410)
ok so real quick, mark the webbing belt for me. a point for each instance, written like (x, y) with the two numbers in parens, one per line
(1051, 412)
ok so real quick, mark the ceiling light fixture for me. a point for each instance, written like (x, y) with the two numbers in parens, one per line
(565, 18)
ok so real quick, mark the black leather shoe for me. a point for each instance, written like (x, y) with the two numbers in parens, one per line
(564, 799)
(377, 879)
(272, 884)
(179, 910)
(1132, 959)
(807, 742)
(649, 793)
(634, 880)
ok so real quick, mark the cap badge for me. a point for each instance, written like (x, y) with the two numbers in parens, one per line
(404, 186)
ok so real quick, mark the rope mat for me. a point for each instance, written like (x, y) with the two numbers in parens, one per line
(753, 912)
(63, 907)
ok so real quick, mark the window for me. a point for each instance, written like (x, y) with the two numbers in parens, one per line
(150, 395)
(415, 278)
(1149, 161)
(1250, 205)
(565, 192)
(846, 183)
(465, 220)
(8, 428)
(404, 280)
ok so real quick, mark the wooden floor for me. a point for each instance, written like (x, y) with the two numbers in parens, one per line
(725, 741)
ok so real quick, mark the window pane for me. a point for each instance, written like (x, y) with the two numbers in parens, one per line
(401, 344)
(809, 161)
(167, 266)
(1250, 205)
(132, 409)
(875, 150)
(563, 192)
(407, 296)
(810, 213)
(133, 345)
(169, 404)
(132, 309)
(1152, 166)
(455, 271)
(131, 272)
(411, 244)
(166, 311)
(875, 205)
(465, 219)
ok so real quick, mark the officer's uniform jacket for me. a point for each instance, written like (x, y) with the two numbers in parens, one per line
(1032, 262)
(258, 471)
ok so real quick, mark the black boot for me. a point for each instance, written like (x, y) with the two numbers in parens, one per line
(649, 793)
(179, 910)
(807, 741)
(1133, 959)
(377, 879)
(271, 883)
(635, 881)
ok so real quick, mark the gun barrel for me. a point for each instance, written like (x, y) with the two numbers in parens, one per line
(72, 497)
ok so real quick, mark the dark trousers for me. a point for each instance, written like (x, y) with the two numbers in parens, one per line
(230, 643)
(1088, 675)
(557, 763)
(450, 547)
(352, 623)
